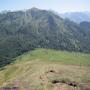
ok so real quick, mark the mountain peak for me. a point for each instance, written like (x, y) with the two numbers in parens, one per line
(34, 8)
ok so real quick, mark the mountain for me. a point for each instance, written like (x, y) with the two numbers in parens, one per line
(77, 16)
(22, 31)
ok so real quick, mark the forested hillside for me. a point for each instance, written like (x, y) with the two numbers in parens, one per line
(23, 31)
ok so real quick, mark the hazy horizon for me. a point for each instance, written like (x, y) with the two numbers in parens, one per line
(55, 5)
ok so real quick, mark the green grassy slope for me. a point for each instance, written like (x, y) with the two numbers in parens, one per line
(56, 56)
(38, 69)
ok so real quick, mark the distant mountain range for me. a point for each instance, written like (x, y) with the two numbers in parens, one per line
(77, 16)
(22, 31)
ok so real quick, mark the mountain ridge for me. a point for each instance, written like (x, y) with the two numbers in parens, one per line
(22, 31)
(77, 16)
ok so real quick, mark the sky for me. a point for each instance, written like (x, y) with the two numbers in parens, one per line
(56, 5)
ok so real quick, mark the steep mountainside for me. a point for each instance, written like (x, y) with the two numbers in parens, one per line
(22, 31)
(86, 28)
